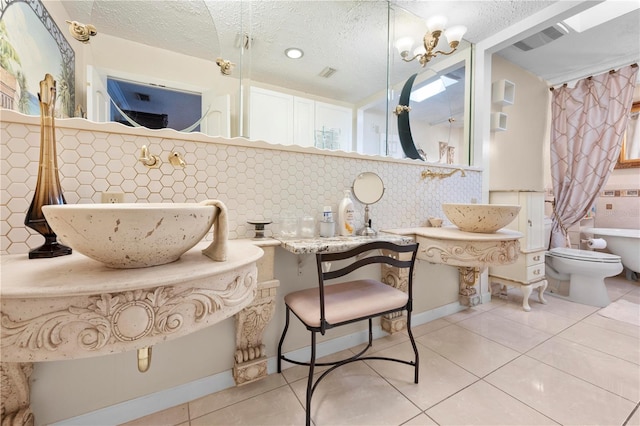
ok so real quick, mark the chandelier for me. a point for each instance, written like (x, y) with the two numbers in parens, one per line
(435, 28)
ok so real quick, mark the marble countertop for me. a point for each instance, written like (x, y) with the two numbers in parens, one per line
(77, 274)
(453, 233)
(335, 244)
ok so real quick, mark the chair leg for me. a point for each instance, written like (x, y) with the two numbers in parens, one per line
(284, 332)
(415, 348)
(310, 389)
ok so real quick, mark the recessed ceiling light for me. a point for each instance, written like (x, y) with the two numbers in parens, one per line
(294, 53)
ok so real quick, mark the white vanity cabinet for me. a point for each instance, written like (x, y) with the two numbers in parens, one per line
(286, 119)
(528, 271)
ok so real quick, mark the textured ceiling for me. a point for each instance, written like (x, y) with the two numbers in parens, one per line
(348, 35)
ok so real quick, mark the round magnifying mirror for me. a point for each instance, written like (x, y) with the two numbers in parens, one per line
(368, 189)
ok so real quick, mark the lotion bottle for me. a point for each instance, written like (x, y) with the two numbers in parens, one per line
(345, 215)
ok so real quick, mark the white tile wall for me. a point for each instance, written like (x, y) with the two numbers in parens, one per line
(254, 180)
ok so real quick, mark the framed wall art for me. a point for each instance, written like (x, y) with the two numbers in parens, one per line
(31, 46)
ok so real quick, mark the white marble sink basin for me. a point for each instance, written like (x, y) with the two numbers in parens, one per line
(480, 218)
(131, 235)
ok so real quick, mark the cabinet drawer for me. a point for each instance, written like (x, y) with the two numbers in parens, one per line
(534, 258)
(535, 272)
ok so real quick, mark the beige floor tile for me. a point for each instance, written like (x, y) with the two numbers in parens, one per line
(610, 342)
(384, 342)
(635, 419)
(536, 318)
(218, 400)
(483, 404)
(423, 329)
(608, 372)
(509, 333)
(632, 296)
(298, 372)
(469, 350)
(420, 420)
(169, 417)
(613, 325)
(565, 308)
(438, 377)
(355, 394)
(276, 407)
(558, 395)
(463, 315)
(634, 293)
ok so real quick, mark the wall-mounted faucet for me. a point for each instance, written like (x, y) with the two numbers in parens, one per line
(440, 175)
(149, 160)
(176, 159)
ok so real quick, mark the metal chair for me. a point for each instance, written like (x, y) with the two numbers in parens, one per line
(332, 305)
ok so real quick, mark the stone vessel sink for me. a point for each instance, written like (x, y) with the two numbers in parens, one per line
(480, 218)
(131, 235)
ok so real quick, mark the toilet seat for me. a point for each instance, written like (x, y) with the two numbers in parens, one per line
(583, 255)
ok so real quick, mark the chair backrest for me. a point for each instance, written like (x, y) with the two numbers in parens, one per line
(390, 255)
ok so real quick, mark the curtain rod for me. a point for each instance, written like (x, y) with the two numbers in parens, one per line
(591, 76)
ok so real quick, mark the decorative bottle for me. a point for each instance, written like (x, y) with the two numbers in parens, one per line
(48, 190)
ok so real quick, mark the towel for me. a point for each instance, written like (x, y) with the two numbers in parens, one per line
(217, 250)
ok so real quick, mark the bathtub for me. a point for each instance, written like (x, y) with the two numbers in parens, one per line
(622, 242)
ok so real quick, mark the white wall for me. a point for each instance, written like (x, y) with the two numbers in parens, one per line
(516, 155)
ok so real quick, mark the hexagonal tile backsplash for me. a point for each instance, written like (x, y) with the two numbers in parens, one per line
(252, 179)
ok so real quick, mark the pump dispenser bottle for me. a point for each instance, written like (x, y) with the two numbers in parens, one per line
(345, 215)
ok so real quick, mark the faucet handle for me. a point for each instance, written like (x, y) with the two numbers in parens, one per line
(176, 159)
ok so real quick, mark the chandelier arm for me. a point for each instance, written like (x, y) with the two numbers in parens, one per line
(409, 60)
(440, 52)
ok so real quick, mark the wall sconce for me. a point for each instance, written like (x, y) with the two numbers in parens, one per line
(435, 27)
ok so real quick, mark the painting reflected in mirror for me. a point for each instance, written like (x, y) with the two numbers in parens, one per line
(630, 151)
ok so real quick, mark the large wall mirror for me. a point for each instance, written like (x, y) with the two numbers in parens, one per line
(340, 94)
(630, 151)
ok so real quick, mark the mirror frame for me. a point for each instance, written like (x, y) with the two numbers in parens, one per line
(623, 162)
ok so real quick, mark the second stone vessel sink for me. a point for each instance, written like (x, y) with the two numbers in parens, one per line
(480, 218)
(131, 235)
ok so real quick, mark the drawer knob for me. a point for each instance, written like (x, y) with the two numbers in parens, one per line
(536, 258)
(536, 272)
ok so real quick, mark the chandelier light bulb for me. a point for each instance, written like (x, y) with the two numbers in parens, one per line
(404, 45)
(436, 23)
(454, 34)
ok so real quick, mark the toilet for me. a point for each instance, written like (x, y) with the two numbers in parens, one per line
(584, 269)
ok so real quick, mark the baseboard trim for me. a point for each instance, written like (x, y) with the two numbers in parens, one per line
(148, 404)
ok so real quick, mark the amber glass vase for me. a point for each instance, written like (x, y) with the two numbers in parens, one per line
(48, 190)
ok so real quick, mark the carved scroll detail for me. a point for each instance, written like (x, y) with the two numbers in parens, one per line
(506, 252)
(123, 317)
(14, 395)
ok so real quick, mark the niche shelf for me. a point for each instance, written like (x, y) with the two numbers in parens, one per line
(498, 121)
(503, 92)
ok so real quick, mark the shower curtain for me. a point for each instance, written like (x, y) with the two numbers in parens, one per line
(588, 123)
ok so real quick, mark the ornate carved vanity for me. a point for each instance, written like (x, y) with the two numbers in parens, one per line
(74, 307)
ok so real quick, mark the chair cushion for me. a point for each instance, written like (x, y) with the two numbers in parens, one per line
(345, 301)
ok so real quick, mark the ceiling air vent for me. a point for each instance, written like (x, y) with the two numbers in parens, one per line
(327, 72)
(143, 97)
(540, 39)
